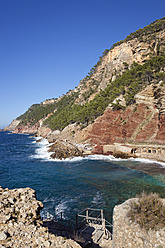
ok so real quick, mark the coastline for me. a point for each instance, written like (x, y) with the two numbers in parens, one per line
(88, 150)
(96, 197)
(43, 153)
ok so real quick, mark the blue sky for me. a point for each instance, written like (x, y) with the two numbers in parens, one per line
(48, 46)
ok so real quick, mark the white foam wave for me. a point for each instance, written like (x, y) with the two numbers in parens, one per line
(104, 157)
(47, 199)
(42, 148)
(62, 207)
(41, 151)
(112, 158)
(97, 199)
(144, 160)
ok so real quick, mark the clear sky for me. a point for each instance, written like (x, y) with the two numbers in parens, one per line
(48, 46)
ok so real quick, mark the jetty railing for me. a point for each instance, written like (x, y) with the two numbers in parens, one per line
(95, 218)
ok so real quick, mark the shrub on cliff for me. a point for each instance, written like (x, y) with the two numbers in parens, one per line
(148, 211)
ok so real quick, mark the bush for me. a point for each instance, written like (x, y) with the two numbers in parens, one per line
(148, 211)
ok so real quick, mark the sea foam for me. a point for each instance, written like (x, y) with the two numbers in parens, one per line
(42, 147)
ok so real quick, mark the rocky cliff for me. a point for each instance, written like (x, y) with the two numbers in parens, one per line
(142, 122)
(20, 222)
(122, 99)
(118, 59)
(12, 126)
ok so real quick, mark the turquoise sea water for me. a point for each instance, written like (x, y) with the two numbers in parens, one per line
(71, 186)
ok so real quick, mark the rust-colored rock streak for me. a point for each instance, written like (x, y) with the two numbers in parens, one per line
(140, 124)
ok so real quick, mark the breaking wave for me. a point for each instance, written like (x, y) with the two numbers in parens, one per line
(42, 147)
(63, 206)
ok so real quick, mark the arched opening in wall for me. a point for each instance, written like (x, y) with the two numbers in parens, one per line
(139, 150)
(133, 150)
(144, 149)
(149, 150)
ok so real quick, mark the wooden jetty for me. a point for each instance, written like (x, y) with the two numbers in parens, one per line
(93, 223)
(90, 227)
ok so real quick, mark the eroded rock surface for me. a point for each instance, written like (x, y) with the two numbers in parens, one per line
(129, 234)
(20, 223)
(63, 149)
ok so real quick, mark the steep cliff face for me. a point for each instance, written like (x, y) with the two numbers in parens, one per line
(117, 60)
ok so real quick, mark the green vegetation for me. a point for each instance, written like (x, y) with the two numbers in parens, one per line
(35, 113)
(128, 84)
(148, 211)
(149, 30)
(38, 111)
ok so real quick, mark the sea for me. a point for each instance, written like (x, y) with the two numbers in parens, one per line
(71, 185)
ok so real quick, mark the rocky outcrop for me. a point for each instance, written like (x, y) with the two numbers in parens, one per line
(12, 126)
(27, 129)
(20, 223)
(73, 133)
(61, 149)
(129, 234)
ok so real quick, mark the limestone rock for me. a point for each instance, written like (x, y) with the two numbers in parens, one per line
(20, 223)
(130, 234)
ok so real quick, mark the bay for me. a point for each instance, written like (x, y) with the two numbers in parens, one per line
(72, 185)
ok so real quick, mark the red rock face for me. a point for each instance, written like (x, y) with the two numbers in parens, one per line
(160, 137)
(139, 124)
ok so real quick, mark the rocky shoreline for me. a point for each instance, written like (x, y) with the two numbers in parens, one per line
(20, 222)
(62, 148)
(21, 225)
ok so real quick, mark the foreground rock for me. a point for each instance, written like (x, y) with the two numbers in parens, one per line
(20, 223)
(129, 234)
(63, 149)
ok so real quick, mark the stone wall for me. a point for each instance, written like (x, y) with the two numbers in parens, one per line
(129, 235)
(155, 152)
